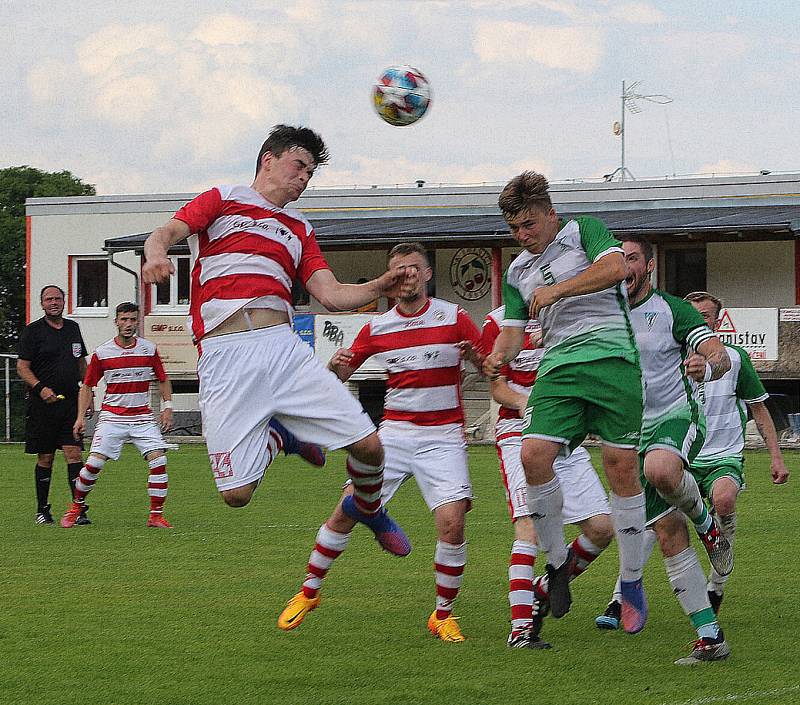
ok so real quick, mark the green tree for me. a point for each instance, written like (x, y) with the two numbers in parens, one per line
(16, 184)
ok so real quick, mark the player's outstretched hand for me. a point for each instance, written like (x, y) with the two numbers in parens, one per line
(389, 283)
(157, 269)
(78, 428)
(695, 366)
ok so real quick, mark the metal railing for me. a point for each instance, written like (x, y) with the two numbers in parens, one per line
(7, 358)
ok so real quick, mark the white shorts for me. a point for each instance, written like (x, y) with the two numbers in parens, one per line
(436, 459)
(247, 378)
(110, 435)
(583, 493)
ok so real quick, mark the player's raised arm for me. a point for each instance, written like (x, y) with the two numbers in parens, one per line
(606, 272)
(336, 296)
(157, 266)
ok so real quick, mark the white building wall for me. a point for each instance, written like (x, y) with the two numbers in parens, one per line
(752, 274)
(55, 237)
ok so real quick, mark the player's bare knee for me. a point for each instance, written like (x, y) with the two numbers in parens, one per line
(368, 450)
(237, 497)
(599, 529)
(723, 495)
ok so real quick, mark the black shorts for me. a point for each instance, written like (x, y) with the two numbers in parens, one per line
(49, 426)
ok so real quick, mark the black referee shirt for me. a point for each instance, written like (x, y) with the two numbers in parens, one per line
(54, 354)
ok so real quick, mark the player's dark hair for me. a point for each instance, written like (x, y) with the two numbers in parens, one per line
(644, 245)
(408, 248)
(705, 296)
(282, 138)
(126, 307)
(525, 191)
(51, 286)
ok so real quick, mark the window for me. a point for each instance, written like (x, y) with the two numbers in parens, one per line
(173, 294)
(89, 285)
(684, 269)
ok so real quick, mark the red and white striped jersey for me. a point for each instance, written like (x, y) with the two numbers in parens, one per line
(423, 364)
(521, 371)
(246, 251)
(127, 373)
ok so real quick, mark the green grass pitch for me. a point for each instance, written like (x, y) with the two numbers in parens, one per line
(116, 614)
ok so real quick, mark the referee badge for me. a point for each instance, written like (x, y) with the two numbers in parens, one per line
(76, 350)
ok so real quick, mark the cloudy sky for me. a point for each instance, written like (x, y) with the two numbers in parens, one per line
(176, 95)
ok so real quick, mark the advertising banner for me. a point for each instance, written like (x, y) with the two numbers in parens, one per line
(754, 329)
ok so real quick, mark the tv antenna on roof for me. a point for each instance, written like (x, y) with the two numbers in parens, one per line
(629, 97)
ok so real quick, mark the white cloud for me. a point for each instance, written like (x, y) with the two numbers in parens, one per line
(637, 13)
(577, 49)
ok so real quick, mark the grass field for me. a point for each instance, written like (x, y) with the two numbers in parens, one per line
(116, 614)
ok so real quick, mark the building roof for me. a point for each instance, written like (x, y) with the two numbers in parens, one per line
(372, 231)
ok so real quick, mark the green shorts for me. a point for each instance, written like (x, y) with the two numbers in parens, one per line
(707, 472)
(681, 432)
(655, 506)
(603, 397)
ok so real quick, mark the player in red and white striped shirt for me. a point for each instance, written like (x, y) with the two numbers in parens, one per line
(585, 500)
(127, 364)
(247, 249)
(420, 343)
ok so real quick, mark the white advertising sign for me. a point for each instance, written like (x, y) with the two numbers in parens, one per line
(333, 331)
(790, 314)
(754, 329)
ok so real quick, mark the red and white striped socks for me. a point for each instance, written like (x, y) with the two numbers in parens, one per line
(520, 584)
(87, 477)
(157, 483)
(449, 562)
(367, 483)
(328, 547)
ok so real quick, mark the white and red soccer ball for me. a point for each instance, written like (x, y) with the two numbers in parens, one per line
(401, 95)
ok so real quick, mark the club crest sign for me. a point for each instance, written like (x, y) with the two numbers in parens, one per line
(470, 272)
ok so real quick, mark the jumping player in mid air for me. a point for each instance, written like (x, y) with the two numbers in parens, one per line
(247, 249)
(569, 278)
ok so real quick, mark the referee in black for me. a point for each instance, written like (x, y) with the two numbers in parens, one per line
(52, 361)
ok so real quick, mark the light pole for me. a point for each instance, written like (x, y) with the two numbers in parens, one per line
(629, 97)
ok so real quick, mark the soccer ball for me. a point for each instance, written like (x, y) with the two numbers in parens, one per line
(401, 95)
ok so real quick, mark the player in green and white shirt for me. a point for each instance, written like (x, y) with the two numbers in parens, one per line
(718, 467)
(674, 342)
(569, 277)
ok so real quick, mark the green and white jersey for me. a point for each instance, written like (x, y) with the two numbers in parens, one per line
(666, 327)
(576, 328)
(724, 402)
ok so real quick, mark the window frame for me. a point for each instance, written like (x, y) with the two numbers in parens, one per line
(85, 311)
(172, 307)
